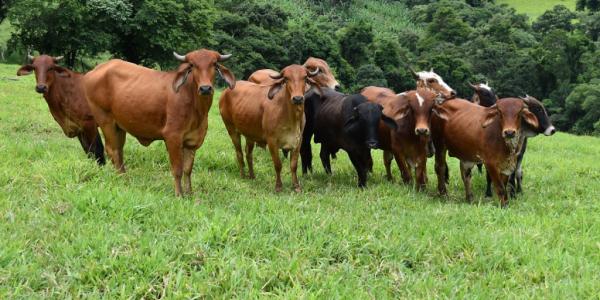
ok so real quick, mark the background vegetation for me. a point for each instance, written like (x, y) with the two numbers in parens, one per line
(367, 42)
(71, 229)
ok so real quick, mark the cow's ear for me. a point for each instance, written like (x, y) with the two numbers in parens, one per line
(226, 75)
(491, 114)
(353, 117)
(62, 72)
(183, 72)
(315, 85)
(530, 118)
(389, 122)
(275, 88)
(440, 112)
(25, 70)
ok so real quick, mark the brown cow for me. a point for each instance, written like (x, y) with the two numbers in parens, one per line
(63, 91)
(473, 134)
(153, 105)
(271, 115)
(324, 75)
(408, 143)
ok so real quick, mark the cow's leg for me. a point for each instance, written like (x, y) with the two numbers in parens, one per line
(294, 169)
(306, 154)
(115, 140)
(360, 163)
(488, 184)
(92, 143)
(99, 149)
(325, 159)
(387, 162)
(188, 165)
(370, 164)
(500, 181)
(274, 150)
(175, 149)
(249, 150)
(421, 172)
(403, 166)
(441, 169)
(519, 177)
(465, 173)
(236, 139)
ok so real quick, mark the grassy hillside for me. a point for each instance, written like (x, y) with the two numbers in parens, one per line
(72, 229)
(535, 8)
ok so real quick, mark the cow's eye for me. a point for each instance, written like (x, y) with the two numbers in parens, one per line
(431, 80)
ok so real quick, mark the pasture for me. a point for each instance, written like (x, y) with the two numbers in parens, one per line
(72, 229)
(534, 9)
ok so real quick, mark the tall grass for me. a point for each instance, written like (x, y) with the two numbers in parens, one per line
(71, 229)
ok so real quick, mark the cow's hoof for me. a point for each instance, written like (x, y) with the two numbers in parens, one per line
(298, 189)
(278, 189)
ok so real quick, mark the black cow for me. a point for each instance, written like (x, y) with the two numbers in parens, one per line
(351, 123)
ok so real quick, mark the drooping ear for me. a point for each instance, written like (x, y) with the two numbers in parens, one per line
(389, 122)
(530, 118)
(226, 75)
(352, 118)
(440, 112)
(315, 85)
(491, 114)
(62, 72)
(183, 72)
(275, 88)
(25, 70)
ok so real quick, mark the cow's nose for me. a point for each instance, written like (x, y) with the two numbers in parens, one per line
(509, 133)
(372, 144)
(205, 89)
(452, 94)
(41, 88)
(422, 131)
(298, 99)
(337, 87)
(550, 131)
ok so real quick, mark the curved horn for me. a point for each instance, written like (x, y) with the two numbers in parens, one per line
(313, 73)
(276, 77)
(179, 57)
(58, 58)
(414, 74)
(224, 57)
(473, 86)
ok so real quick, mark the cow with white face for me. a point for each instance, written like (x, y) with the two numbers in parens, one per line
(429, 80)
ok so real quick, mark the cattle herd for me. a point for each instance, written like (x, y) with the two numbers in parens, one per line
(285, 110)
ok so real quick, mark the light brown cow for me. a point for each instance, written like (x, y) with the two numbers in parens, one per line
(407, 144)
(433, 82)
(153, 105)
(63, 91)
(324, 75)
(473, 134)
(271, 115)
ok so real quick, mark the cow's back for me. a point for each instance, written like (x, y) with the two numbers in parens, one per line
(243, 108)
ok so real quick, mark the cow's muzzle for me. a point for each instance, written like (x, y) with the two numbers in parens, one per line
(298, 100)
(372, 144)
(550, 131)
(509, 133)
(205, 90)
(423, 131)
(41, 88)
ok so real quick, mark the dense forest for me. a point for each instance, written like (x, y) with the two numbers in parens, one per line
(555, 58)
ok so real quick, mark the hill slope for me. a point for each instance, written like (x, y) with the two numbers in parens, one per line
(536, 8)
(72, 228)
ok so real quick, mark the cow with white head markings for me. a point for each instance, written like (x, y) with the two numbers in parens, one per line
(431, 81)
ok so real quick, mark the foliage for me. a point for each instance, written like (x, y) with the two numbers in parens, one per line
(583, 105)
(560, 17)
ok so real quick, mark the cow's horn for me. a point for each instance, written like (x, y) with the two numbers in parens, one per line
(473, 86)
(277, 76)
(313, 73)
(29, 56)
(414, 74)
(58, 58)
(179, 57)
(224, 57)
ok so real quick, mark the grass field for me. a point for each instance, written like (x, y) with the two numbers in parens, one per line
(70, 229)
(535, 8)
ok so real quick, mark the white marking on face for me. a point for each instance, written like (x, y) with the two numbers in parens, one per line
(421, 100)
(425, 75)
(485, 86)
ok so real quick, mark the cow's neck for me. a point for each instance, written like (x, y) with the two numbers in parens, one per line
(60, 92)
(289, 111)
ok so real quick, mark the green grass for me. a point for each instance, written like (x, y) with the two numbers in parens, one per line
(70, 229)
(536, 8)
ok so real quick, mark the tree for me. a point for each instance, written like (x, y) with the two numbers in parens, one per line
(354, 42)
(560, 17)
(3, 9)
(592, 5)
(582, 108)
(367, 75)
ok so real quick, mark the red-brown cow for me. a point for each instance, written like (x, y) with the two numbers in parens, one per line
(271, 115)
(473, 134)
(408, 143)
(153, 105)
(63, 91)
